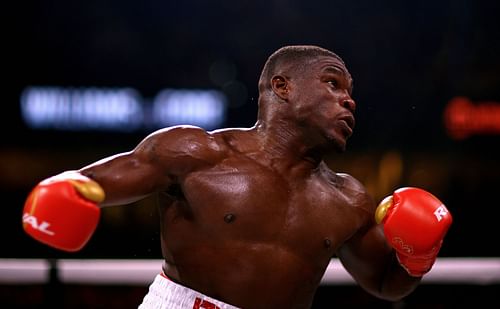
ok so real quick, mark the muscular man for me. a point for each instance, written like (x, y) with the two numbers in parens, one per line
(251, 217)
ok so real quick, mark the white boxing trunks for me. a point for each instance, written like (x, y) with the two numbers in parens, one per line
(165, 294)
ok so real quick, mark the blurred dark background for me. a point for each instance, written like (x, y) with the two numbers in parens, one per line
(408, 60)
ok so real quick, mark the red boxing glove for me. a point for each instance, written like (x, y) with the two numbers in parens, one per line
(415, 223)
(62, 211)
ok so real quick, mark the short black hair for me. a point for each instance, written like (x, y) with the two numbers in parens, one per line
(292, 54)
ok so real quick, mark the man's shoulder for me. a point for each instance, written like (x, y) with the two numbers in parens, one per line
(182, 142)
(194, 141)
(179, 131)
(189, 132)
(350, 181)
(339, 179)
(240, 140)
(354, 190)
(178, 135)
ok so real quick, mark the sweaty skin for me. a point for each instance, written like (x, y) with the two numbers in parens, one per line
(253, 216)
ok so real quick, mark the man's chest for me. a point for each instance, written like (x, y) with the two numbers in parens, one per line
(253, 202)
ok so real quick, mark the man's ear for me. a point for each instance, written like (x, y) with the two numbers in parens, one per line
(281, 86)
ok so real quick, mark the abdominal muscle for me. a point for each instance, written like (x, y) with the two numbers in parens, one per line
(248, 275)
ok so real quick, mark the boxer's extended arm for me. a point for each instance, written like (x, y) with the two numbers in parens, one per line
(63, 211)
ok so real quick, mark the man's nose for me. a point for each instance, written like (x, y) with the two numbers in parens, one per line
(349, 104)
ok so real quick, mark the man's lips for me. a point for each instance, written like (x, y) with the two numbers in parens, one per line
(349, 120)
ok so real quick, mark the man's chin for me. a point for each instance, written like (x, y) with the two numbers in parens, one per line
(340, 148)
(337, 144)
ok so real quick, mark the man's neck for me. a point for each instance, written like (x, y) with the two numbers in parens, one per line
(287, 142)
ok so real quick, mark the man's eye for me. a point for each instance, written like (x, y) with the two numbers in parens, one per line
(334, 83)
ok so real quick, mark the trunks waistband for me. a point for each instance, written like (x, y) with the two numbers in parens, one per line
(164, 293)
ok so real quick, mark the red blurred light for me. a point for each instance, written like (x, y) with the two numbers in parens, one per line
(463, 118)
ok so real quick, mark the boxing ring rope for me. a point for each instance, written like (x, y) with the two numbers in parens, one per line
(469, 271)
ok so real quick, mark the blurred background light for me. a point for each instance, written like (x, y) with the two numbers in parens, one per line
(119, 109)
(204, 108)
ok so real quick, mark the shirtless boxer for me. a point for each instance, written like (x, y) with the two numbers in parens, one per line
(251, 217)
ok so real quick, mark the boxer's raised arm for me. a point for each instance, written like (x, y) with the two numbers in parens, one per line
(389, 259)
(373, 264)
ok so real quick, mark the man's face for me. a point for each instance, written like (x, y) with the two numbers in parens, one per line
(322, 101)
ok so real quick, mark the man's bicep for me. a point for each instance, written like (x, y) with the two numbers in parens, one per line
(126, 177)
(156, 162)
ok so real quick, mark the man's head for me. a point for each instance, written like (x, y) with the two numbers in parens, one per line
(293, 57)
(310, 88)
